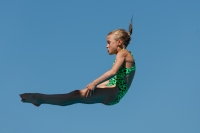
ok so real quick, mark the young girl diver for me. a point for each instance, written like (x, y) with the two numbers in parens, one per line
(109, 88)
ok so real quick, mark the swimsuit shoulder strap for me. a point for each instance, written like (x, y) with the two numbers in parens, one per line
(130, 53)
(133, 57)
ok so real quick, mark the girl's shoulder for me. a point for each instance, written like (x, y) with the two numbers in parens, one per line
(124, 53)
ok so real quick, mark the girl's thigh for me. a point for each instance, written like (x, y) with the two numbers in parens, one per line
(101, 95)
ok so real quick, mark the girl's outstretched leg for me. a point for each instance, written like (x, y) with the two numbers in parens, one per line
(57, 99)
(101, 95)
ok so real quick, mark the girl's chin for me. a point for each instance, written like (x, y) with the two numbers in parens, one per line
(110, 53)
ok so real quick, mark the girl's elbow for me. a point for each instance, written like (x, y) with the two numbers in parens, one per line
(113, 73)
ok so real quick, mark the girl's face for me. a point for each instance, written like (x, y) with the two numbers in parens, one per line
(112, 44)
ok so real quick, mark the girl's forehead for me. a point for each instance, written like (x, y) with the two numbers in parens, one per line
(110, 37)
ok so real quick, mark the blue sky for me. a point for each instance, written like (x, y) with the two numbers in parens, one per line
(57, 46)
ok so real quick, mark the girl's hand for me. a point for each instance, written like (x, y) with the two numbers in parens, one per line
(90, 89)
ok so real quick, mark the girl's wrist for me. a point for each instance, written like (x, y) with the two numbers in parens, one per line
(94, 83)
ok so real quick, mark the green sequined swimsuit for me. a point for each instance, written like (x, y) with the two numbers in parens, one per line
(118, 80)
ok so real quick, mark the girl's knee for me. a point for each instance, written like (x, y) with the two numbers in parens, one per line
(78, 93)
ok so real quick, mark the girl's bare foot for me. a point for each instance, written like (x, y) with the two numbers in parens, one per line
(30, 98)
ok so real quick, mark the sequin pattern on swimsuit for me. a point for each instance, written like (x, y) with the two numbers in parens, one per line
(118, 80)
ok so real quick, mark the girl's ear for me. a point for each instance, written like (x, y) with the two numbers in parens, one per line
(119, 42)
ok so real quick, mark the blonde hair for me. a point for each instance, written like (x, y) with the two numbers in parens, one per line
(123, 35)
